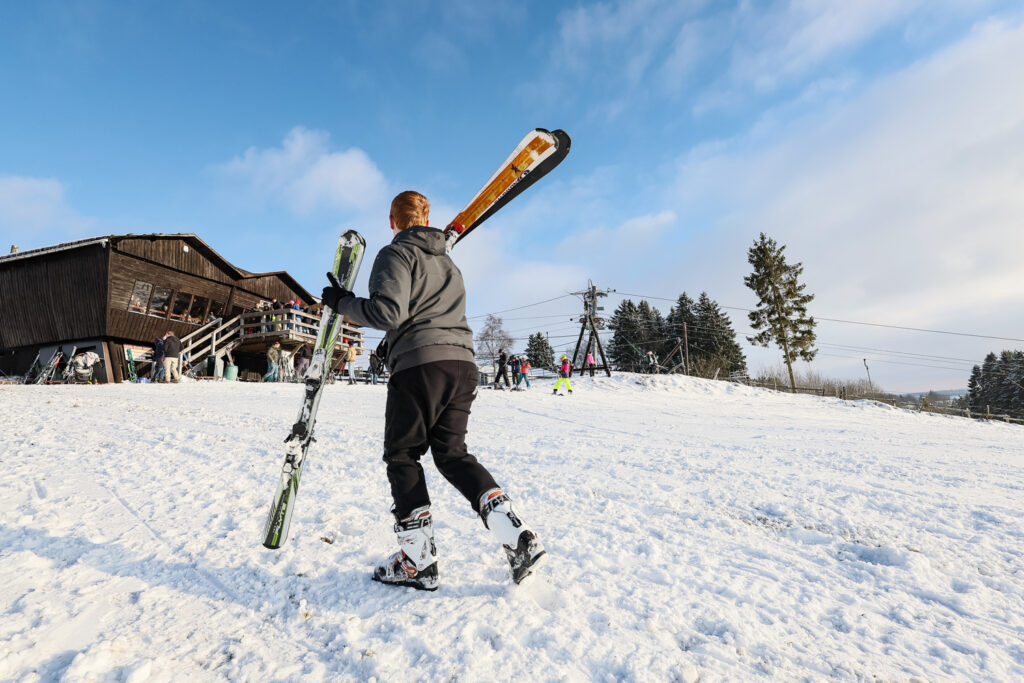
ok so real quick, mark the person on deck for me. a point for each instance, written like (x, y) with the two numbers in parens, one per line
(418, 298)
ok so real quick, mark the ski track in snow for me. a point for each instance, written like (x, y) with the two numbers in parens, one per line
(697, 530)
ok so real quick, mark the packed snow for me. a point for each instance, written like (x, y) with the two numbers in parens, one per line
(697, 530)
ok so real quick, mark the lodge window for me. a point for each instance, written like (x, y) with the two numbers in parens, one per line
(140, 297)
(161, 298)
(182, 302)
(195, 313)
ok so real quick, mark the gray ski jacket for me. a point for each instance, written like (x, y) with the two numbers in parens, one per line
(418, 298)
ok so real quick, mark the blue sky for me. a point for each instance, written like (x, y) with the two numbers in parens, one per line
(880, 140)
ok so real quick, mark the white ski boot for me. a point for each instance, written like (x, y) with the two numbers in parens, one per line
(415, 564)
(522, 547)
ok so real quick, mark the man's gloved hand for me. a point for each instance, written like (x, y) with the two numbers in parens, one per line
(334, 292)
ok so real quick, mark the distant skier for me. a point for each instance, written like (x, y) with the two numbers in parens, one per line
(563, 374)
(418, 297)
(502, 372)
(652, 363)
(524, 371)
(516, 366)
(590, 362)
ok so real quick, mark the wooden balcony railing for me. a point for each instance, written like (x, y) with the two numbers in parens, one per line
(284, 324)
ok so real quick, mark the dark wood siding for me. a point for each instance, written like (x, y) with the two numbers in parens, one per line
(53, 298)
(271, 286)
(171, 252)
(125, 271)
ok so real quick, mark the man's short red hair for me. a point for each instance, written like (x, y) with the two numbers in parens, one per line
(410, 208)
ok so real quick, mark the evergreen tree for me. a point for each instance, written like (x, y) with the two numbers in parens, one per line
(781, 314)
(973, 399)
(682, 313)
(539, 351)
(997, 386)
(623, 349)
(986, 396)
(718, 339)
(652, 335)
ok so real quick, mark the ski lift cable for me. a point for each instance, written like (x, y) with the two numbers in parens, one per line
(517, 308)
(852, 322)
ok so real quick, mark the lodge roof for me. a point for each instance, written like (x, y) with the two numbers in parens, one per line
(190, 238)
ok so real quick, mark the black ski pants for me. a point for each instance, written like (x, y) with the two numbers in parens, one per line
(428, 407)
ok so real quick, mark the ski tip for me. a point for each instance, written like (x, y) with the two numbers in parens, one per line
(353, 236)
(562, 139)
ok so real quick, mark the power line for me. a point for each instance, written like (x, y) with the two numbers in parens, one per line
(517, 308)
(852, 322)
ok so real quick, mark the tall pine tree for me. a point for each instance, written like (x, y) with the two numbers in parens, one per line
(683, 314)
(781, 315)
(539, 351)
(623, 349)
(718, 339)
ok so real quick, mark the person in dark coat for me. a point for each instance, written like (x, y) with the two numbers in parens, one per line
(172, 358)
(515, 365)
(418, 298)
(502, 370)
(376, 367)
(303, 355)
(159, 371)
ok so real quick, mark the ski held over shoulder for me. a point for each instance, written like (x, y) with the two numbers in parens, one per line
(347, 258)
(539, 152)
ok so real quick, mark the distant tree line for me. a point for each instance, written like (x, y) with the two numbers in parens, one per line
(997, 385)
(710, 338)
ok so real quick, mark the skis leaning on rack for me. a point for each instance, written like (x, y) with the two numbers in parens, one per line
(347, 258)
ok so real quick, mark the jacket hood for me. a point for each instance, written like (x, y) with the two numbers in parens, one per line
(430, 240)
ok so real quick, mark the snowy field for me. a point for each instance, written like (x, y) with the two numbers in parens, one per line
(697, 531)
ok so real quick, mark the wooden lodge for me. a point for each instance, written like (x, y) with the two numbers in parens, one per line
(116, 294)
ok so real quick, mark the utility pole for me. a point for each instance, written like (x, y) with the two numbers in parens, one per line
(686, 345)
(590, 321)
(871, 387)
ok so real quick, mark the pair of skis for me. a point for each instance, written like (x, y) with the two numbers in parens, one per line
(538, 153)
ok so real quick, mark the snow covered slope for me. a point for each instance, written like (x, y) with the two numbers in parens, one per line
(696, 530)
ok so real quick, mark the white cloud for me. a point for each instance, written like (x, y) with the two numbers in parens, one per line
(33, 206)
(720, 55)
(306, 176)
(905, 204)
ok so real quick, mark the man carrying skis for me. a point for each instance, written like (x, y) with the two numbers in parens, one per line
(418, 298)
